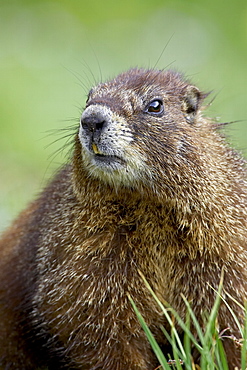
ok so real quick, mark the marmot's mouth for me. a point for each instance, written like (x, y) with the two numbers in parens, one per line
(105, 160)
(108, 159)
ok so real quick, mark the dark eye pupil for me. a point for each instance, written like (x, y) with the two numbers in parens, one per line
(155, 106)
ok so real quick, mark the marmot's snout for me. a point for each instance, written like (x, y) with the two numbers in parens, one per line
(93, 121)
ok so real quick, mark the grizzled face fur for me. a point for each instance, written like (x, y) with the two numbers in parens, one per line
(131, 130)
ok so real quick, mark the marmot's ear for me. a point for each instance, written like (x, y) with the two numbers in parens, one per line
(191, 102)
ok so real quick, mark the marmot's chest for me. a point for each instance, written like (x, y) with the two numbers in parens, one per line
(87, 293)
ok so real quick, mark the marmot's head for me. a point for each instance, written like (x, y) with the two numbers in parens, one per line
(135, 128)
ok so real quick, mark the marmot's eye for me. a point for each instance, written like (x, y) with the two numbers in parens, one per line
(155, 107)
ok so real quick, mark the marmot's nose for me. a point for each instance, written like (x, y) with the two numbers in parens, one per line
(93, 122)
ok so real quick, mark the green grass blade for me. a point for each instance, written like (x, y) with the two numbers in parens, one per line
(231, 311)
(221, 355)
(194, 320)
(175, 352)
(187, 343)
(214, 311)
(151, 339)
(167, 316)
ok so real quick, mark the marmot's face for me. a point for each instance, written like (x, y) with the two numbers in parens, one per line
(130, 130)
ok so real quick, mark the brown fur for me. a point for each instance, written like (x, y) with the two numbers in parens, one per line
(171, 203)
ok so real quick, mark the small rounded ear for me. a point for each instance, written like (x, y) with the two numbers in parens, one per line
(190, 102)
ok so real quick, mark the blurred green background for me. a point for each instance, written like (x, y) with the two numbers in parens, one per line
(49, 49)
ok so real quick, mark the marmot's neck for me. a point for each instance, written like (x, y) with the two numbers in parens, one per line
(202, 225)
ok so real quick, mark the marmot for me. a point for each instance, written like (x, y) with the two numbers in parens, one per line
(152, 186)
